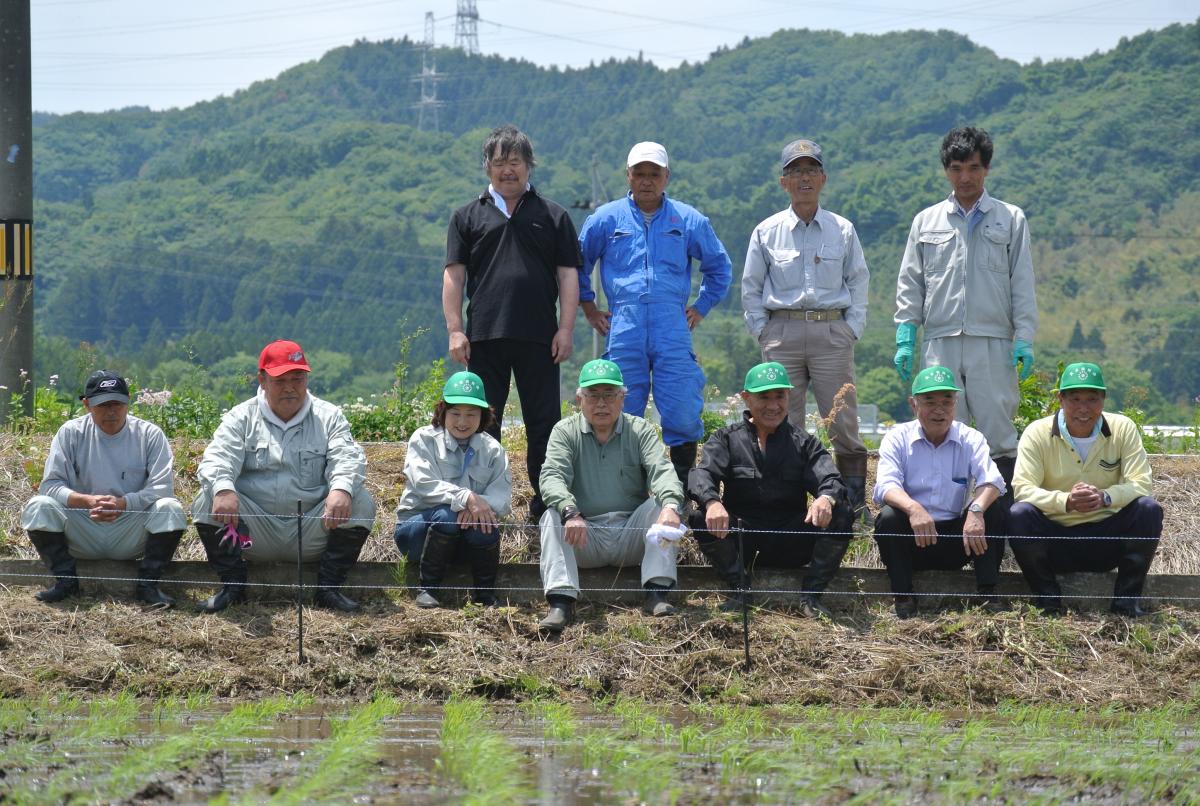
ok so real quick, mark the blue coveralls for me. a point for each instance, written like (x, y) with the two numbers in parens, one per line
(647, 276)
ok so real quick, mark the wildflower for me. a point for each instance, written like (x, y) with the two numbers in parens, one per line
(53, 381)
(147, 397)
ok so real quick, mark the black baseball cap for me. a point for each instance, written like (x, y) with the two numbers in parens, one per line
(103, 386)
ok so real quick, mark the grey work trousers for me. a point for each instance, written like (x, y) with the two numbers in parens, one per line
(615, 538)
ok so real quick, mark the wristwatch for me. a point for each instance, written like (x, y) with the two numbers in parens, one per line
(568, 512)
(975, 507)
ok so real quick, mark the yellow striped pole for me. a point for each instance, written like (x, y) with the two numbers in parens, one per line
(16, 212)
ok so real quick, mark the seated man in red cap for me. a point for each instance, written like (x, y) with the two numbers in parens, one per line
(106, 494)
(282, 446)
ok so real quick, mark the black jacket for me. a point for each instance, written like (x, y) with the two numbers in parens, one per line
(767, 487)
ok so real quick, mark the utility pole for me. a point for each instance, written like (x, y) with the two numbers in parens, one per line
(16, 211)
(466, 27)
(428, 106)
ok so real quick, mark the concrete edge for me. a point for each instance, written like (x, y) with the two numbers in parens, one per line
(521, 583)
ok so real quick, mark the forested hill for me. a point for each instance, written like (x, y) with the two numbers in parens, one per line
(311, 206)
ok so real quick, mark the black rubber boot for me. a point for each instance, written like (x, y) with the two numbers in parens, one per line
(1033, 556)
(683, 457)
(996, 517)
(52, 548)
(230, 567)
(722, 555)
(826, 559)
(485, 565)
(341, 553)
(656, 600)
(560, 616)
(160, 549)
(439, 553)
(856, 491)
(1131, 577)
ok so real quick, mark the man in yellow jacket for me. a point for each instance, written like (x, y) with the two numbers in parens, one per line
(1082, 485)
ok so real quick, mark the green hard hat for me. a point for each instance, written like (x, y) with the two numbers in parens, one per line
(600, 371)
(1081, 376)
(769, 375)
(934, 379)
(464, 388)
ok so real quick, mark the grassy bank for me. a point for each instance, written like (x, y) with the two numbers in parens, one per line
(102, 646)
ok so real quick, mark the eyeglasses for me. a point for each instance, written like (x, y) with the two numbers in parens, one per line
(804, 172)
(606, 397)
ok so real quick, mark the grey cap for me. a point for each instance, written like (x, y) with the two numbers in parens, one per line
(801, 148)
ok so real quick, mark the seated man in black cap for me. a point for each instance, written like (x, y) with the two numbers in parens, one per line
(767, 469)
(106, 494)
(1082, 486)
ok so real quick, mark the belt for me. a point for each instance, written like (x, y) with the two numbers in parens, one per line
(827, 315)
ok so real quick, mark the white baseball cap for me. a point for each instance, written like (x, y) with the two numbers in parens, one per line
(647, 152)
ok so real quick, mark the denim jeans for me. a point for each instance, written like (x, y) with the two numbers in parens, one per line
(410, 532)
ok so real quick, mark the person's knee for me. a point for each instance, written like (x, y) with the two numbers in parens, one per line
(1150, 515)
(891, 521)
(1023, 518)
(480, 539)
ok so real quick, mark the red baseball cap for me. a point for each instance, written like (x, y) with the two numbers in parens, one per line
(282, 356)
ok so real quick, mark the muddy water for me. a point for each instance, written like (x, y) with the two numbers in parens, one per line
(630, 754)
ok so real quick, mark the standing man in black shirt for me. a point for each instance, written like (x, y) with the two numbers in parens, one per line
(515, 255)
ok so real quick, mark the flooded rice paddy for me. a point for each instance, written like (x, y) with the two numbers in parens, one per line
(296, 750)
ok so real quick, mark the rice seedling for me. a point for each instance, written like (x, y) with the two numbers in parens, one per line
(558, 719)
(480, 760)
(94, 779)
(339, 767)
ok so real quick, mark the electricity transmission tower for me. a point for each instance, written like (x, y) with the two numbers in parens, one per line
(427, 107)
(466, 27)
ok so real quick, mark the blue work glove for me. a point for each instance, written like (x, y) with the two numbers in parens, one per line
(1023, 355)
(906, 339)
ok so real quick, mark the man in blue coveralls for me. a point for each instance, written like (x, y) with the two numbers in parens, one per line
(645, 243)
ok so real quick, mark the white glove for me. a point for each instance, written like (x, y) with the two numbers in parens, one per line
(663, 537)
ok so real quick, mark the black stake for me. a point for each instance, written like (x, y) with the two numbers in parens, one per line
(744, 595)
(300, 579)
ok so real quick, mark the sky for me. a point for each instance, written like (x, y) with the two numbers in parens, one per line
(94, 55)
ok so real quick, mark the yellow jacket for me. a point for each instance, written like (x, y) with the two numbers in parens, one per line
(1048, 467)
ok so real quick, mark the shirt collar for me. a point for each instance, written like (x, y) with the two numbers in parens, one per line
(953, 435)
(451, 444)
(638, 210)
(498, 200)
(271, 417)
(1060, 421)
(794, 220)
(587, 427)
(981, 205)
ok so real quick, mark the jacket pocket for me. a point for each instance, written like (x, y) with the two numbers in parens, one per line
(995, 241)
(830, 260)
(937, 250)
(312, 468)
